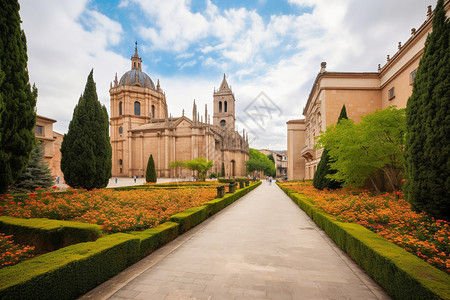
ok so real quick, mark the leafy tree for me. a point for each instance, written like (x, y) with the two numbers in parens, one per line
(270, 156)
(17, 97)
(361, 151)
(150, 176)
(259, 162)
(222, 173)
(321, 180)
(86, 150)
(428, 124)
(200, 165)
(37, 173)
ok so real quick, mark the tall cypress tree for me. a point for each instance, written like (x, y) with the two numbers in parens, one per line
(427, 146)
(37, 173)
(86, 149)
(320, 181)
(150, 175)
(17, 97)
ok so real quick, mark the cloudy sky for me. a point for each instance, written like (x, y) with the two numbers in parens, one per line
(270, 50)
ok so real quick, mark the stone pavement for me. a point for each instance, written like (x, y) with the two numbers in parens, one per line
(261, 247)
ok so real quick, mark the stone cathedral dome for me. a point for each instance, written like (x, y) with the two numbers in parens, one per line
(135, 76)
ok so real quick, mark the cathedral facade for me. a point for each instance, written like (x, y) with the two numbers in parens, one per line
(141, 126)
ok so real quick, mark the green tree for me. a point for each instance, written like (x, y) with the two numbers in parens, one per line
(270, 156)
(150, 176)
(362, 151)
(321, 180)
(200, 165)
(222, 172)
(37, 173)
(86, 150)
(428, 124)
(17, 97)
(259, 162)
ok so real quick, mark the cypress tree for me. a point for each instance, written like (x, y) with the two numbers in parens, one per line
(86, 149)
(150, 175)
(37, 173)
(427, 150)
(17, 97)
(320, 181)
(222, 173)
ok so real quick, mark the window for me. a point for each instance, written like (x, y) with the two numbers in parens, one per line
(134, 64)
(220, 106)
(391, 94)
(153, 111)
(120, 130)
(225, 106)
(223, 123)
(120, 108)
(137, 108)
(120, 162)
(39, 130)
(412, 76)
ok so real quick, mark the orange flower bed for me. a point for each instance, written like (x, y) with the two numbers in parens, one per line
(11, 253)
(114, 211)
(389, 216)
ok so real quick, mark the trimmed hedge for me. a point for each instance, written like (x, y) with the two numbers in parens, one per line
(153, 238)
(401, 274)
(69, 272)
(190, 218)
(233, 180)
(48, 235)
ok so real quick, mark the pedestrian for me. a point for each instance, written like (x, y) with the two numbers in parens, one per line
(134, 177)
(116, 180)
(270, 180)
(57, 179)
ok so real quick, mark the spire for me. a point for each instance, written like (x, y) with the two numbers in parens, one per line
(206, 112)
(194, 112)
(136, 61)
(116, 82)
(224, 85)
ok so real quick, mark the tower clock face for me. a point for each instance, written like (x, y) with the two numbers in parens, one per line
(223, 123)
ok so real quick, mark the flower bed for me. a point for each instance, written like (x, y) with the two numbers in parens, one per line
(113, 210)
(12, 253)
(389, 216)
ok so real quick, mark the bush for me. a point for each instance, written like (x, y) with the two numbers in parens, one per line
(48, 235)
(403, 275)
(71, 271)
(153, 238)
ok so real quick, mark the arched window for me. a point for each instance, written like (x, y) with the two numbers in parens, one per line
(225, 109)
(223, 123)
(120, 108)
(120, 130)
(120, 162)
(220, 106)
(137, 108)
(153, 111)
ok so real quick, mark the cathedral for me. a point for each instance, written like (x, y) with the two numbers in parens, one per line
(141, 126)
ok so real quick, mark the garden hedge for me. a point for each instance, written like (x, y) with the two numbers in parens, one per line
(232, 180)
(48, 235)
(71, 271)
(402, 274)
(153, 238)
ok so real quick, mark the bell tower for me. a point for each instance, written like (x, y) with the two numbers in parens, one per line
(224, 107)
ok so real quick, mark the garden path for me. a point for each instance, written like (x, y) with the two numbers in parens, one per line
(261, 247)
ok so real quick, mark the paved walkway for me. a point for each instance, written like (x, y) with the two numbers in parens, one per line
(261, 247)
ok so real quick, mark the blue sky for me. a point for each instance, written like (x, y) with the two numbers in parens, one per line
(268, 46)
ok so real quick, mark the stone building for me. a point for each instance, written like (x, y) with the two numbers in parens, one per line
(362, 93)
(280, 160)
(52, 144)
(141, 125)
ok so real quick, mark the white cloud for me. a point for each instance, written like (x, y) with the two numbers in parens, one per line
(61, 53)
